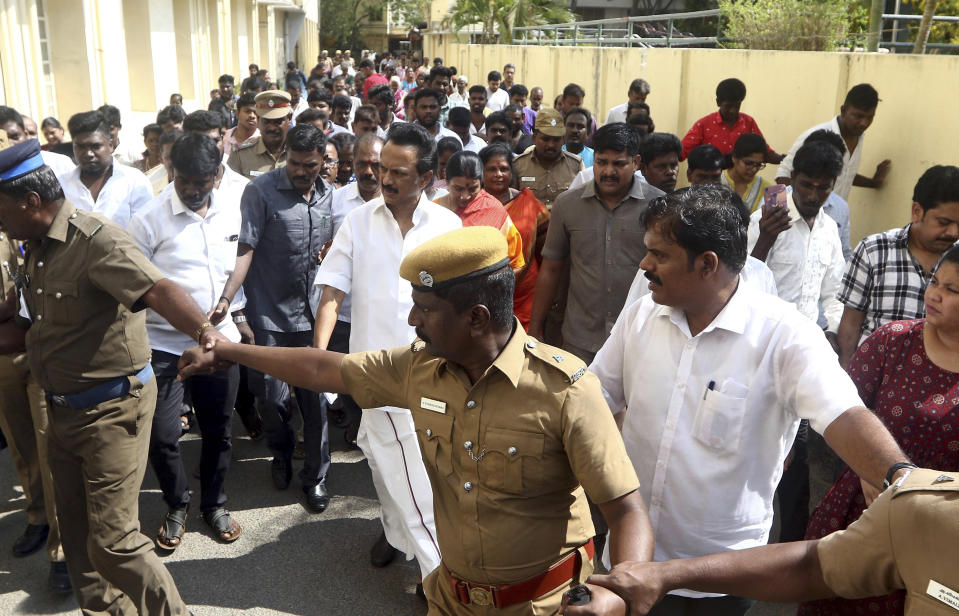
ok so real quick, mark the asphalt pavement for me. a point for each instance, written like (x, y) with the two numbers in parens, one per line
(287, 562)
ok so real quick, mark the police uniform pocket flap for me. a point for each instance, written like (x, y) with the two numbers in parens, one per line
(515, 444)
(59, 289)
(432, 426)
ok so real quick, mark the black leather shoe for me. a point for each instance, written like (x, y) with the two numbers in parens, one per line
(382, 553)
(317, 498)
(59, 580)
(33, 538)
(282, 471)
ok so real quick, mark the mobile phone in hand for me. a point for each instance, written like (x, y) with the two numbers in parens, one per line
(775, 196)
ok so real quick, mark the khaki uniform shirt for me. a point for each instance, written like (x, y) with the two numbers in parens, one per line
(9, 264)
(546, 183)
(86, 278)
(252, 159)
(907, 539)
(509, 456)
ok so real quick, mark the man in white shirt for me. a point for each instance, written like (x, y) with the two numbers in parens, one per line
(426, 108)
(190, 233)
(710, 378)
(496, 97)
(99, 183)
(638, 91)
(396, 223)
(459, 123)
(460, 96)
(855, 116)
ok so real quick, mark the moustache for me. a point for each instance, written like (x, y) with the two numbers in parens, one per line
(608, 178)
(366, 178)
(389, 189)
(652, 278)
(421, 335)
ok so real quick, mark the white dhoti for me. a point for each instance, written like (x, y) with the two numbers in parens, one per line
(389, 442)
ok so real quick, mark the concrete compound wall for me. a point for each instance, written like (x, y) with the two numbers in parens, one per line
(787, 93)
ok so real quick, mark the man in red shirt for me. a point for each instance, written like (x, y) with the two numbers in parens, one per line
(724, 127)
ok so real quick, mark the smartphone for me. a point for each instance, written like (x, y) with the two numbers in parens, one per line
(775, 196)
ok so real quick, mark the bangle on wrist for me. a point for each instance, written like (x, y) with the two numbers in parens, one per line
(199, 330)
(224, 297)
(895, 468)
(239, 319)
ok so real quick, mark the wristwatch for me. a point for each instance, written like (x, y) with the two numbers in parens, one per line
(239, 319)
(895, 468)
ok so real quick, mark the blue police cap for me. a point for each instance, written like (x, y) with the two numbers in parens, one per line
(20, 159)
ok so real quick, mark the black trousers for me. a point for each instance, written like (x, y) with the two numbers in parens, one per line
(272, 396)
(793, 490)
(730, 605)
(213, 396)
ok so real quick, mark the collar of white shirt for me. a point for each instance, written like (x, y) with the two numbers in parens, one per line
(731, 318)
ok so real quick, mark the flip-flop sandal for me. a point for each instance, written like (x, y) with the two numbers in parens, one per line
(224, 526)
(171, 531)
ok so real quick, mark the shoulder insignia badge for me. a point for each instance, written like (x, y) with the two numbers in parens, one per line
(943, 479)
(577, 375)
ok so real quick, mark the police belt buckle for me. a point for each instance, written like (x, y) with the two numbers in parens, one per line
(481, 596)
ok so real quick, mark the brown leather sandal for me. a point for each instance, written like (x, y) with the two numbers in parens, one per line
(171, 531)
(225, 528)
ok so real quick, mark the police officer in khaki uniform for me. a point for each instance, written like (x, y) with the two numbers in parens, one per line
(23, 418)
(268, 151)
(547, 169)
(511, 431)
(907, 539)
(84, 285)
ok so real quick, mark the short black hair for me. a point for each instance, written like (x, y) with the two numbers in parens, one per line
(731, 90)
(421, 93)
(659, 144)
(583, 112)
(494, 76)
(170, 136)
(291, 64)
(498, 117)
(748, 144)
(171, 113)
(862, 96)
(518, 89)
(938, 185)
(152, 128)
(407, 134)
(950, 256)
(496, 149)
(641, 122)
(226, 78)
(703, 218)
(574, 89)
(196, 154)
(247, 99)
(616, 137)
(448, 144)
(382, 93)
(341, 102)
(88, 122)
(458, 116)
(312, 114)
(465, 164)
(48, 121)
(111, 115)
(827, 136)
(367, 112)
(342, 141)
(706, 157)
(818, 159)
(440, 71)
(292, 81)
(306, 138)
(477, 89)
(494, 290)
(41, 181)
(637, 105)
(365, 63)
(9, 114)
(254, 66)
(639, 86)
(321, 95)
(202, 121)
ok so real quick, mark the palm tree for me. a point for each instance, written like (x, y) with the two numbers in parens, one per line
(504, 15)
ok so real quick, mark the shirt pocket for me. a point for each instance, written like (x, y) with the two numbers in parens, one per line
(515, 460)
(435, 433)
(61, 303)
(719, 421)
(285, 225)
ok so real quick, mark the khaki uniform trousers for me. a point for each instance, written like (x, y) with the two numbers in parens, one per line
(23, 419)
(98, 457)
(442, 601)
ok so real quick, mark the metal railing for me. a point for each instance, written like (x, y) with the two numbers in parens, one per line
(895, 19)
(643, 31)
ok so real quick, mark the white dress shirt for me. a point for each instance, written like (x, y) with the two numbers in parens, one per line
(850, 160)
(125, 192)
(475, 144)
(364, 261)
(498, 100)
(60, 164)
(345, 200)
(198, 254)
(807, 263)
(617, 113)
(710, 418)
(754, 273)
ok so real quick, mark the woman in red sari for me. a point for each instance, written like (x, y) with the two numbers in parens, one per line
(528, 214)
(908, 373)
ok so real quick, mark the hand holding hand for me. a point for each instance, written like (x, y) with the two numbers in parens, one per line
(602, 603)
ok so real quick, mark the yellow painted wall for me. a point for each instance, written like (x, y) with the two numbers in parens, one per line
(788, 93)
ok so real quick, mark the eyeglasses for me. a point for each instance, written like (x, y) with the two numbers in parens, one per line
(330, 162)
(754, 165)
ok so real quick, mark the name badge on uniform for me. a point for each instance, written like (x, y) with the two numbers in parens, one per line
(942, 593)
(256, 173)
(527, 179)
(433, 405)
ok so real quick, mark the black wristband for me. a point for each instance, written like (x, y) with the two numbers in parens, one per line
(224, 297)
(895, 468)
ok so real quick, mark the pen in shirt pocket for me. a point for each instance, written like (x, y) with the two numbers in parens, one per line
(712, 385)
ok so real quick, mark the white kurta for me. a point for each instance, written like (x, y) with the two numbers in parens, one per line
(364, 261)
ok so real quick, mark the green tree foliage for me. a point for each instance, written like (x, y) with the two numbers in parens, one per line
(499, 17)
(343, 21)
(797, 25)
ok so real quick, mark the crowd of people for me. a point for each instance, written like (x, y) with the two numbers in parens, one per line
(554, 353)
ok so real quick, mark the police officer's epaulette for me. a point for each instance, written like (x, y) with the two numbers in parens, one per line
(571, 366)
(525, 154)
(248, 144)
(926, 480)
(88, 225)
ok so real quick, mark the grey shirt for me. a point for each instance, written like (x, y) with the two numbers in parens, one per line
(604, 247)
(286, 233)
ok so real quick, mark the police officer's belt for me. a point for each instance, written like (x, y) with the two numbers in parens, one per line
(505, 595)
(114, 388)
